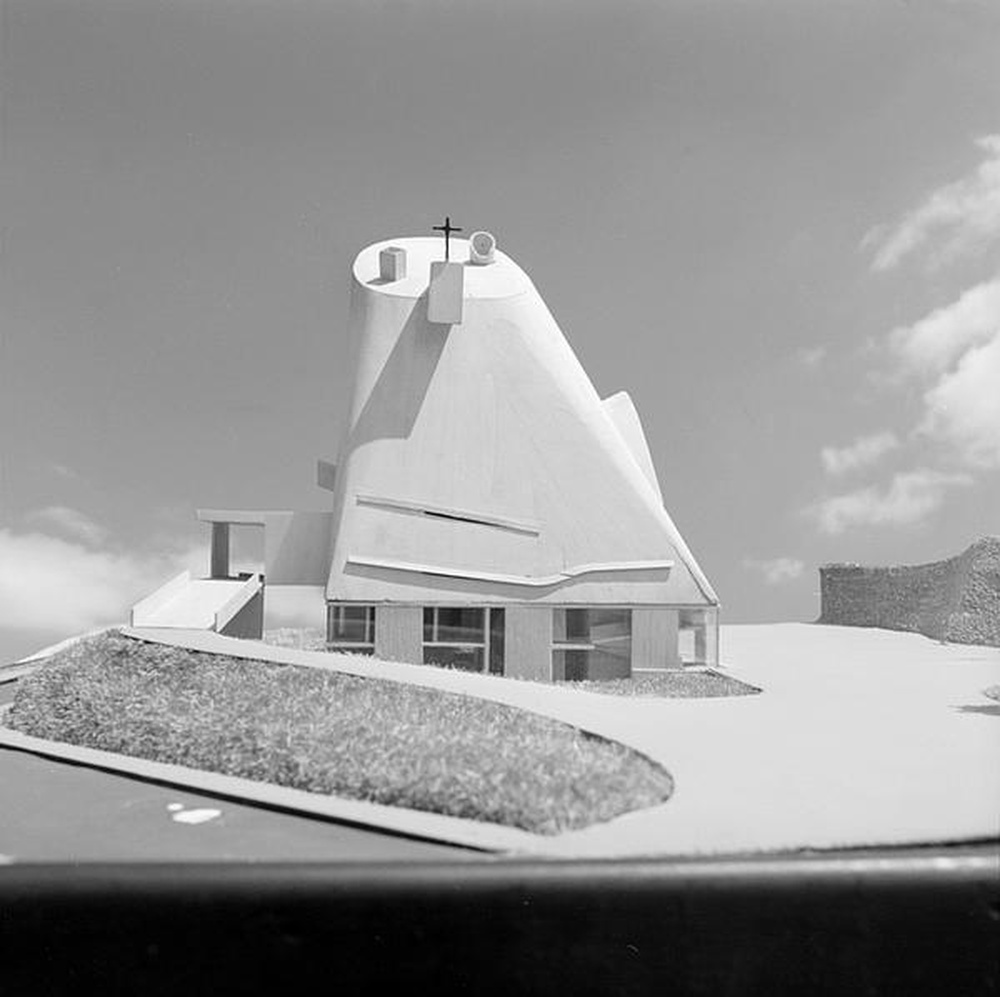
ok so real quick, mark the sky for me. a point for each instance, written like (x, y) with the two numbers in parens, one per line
(775, 224)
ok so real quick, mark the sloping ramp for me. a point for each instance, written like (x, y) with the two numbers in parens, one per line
(200, 604)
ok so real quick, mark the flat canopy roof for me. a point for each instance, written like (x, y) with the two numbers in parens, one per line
(243, 517)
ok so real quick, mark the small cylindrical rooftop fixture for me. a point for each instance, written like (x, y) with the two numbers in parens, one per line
(481, 248)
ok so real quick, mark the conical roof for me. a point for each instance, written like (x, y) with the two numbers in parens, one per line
(479, 463)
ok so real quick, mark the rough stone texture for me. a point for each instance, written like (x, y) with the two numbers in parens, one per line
(955, 600)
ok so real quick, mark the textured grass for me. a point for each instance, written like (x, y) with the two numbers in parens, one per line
(672, 685)
(362, 738)
(301, 638)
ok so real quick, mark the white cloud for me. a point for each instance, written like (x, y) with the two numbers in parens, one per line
(70, 522)
(963, 408)
(959, 218)
(863, 452)
(952, 354)
(776, 570)
(934, 342)
(910, 497)
(955, 352)
(47, 583)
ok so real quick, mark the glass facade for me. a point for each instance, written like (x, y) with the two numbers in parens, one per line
(587, 642)
(467, 637)
(453, 625)
(498, 630)
(591, 643)
(698, 639)
(350, 628)
(455, 636)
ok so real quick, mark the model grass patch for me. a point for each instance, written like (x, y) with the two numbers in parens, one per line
(671, 684)
(326, 732)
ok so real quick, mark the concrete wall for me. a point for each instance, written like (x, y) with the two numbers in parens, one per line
(248, 623)
(654, 638)
(955, 600)
(493, 422)
(399, 633)
(528, 642)
(297, 547)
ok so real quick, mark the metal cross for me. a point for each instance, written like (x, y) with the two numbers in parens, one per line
(447, 228)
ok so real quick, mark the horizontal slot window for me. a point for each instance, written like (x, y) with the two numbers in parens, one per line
(457, 518)
(455, 515)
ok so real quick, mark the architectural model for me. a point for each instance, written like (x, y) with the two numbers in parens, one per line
(489, 510)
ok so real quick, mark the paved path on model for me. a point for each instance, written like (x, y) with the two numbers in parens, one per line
(861, 737)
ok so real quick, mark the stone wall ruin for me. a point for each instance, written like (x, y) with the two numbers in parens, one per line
(955, 600)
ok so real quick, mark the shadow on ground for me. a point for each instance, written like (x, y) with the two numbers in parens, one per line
(986, 711)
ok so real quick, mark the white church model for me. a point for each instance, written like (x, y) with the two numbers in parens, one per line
(490, 511)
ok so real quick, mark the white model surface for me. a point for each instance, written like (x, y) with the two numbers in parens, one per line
(502, 278)
(623, 414)
(457, 430)
(860, 738)
(195, 604)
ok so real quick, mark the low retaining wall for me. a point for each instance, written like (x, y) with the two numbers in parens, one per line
(955, 600)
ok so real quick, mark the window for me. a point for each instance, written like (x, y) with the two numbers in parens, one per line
(350, 628)
(591, 643)
(497, 632)
(455, 636)
(463, 637)
(698, 638)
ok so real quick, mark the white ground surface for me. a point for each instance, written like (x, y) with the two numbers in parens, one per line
(196, 604)
(861, 737)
